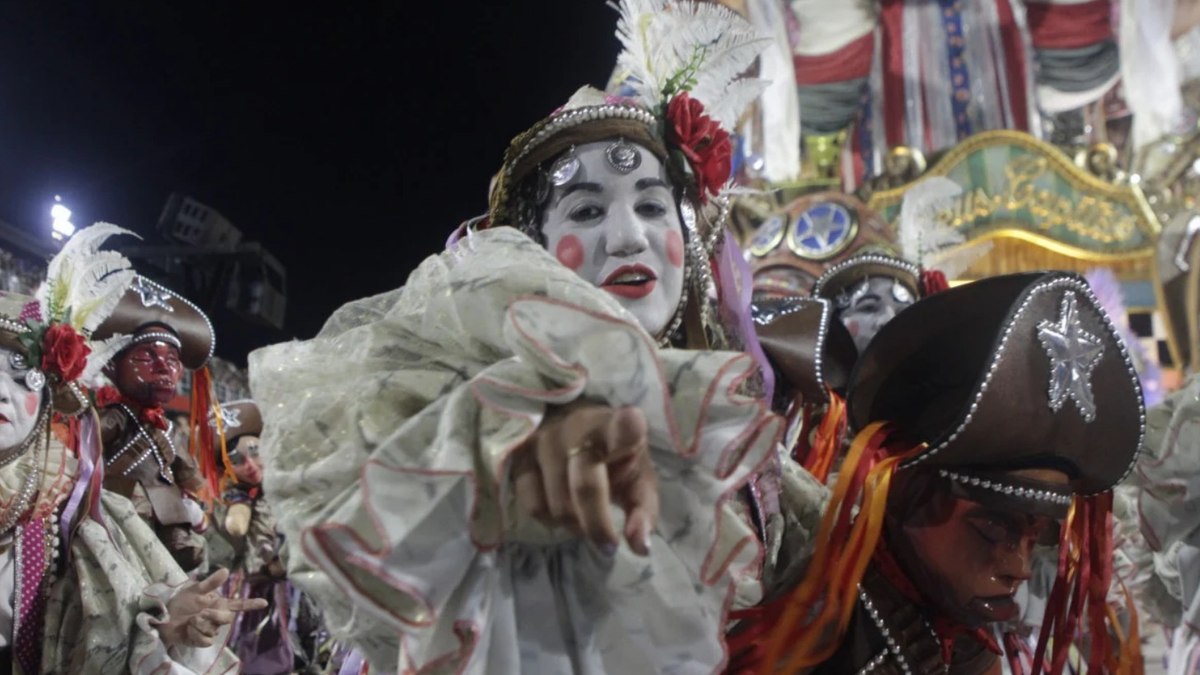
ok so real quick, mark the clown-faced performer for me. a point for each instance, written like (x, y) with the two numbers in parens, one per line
(870, 289)
(444, 460)
(87, 586)
(166, 335)
(999, 414)
(867, 290)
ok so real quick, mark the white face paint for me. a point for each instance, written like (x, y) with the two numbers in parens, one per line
(873, 303)
(18, 404)
(621, 231)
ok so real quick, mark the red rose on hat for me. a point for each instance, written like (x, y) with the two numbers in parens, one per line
(702, 141)
(64, 352)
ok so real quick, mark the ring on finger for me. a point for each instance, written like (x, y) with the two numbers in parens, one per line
(586, 447)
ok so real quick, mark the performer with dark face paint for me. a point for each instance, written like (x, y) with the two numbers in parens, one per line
(167, 334)
(989, 418)
(85, 585)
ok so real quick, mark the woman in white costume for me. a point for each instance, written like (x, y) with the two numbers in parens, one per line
(444, 457)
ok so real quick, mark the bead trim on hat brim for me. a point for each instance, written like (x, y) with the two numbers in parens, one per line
(825, 286)
(1079, 286)
(212, 343)
(767, 317)
(575, 117)
(158, 336)
(1010, 489)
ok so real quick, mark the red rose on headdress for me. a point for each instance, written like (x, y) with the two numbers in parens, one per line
(702, 141)
(64, 352)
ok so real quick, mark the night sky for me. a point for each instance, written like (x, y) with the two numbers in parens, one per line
(349, 139)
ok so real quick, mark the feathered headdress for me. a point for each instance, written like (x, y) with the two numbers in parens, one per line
(679, 87)
(704, 50)
(82, 287)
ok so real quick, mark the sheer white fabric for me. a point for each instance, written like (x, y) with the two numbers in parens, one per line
(387, 445)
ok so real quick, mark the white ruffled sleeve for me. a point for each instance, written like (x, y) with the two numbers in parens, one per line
(1166, 484)
(387, 445)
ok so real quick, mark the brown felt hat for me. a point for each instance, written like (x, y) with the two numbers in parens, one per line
(845, 275)
(239, 418)
(1011, 372)
(811, 351)
(149, 311)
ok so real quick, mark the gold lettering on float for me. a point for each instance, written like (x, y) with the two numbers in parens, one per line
(1088, 217)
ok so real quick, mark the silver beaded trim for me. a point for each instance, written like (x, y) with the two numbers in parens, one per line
(13, 326)
(212, 343)
(151, 451)
(892, 646)
(20, 504)
(1070, 283)
(866, 259)
(159, 336)
(822, 330)
(875, 663)
(39, 428)
(577, 116)
(73, 387)
(1004, 488)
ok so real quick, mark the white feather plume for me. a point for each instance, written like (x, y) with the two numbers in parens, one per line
(102, 352)
(668, 42)
(87, 281)
(923, 236)
(919, 232)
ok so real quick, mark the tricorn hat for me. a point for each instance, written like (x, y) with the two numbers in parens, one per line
(147, 305)
(811, 350)
(238, 418)
(840, 278)
(1011, 372)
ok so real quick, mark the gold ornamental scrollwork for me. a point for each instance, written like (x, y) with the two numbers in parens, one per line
(1017, 187)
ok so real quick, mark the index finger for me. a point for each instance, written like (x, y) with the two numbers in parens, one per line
(240, 604)
(213, 581)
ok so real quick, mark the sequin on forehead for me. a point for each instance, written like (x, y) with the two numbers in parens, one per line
(623, 156)
(564, 168)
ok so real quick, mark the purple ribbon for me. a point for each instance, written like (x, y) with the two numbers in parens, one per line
(90, 468)
(353, 663)
(736, 286)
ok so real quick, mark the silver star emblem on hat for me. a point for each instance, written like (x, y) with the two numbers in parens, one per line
(230, 417)
(151, 294)
(1073, 354)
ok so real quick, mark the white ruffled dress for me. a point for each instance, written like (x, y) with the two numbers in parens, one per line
(387, 445)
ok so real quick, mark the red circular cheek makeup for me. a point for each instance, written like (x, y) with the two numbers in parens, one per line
(569, 251)
(675, 248)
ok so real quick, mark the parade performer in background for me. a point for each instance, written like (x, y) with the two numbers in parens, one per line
(989, 417)
(89, 588)
(167, 334)
(287, 636)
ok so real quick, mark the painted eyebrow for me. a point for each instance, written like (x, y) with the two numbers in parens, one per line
(647, 183)
(576, 186)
